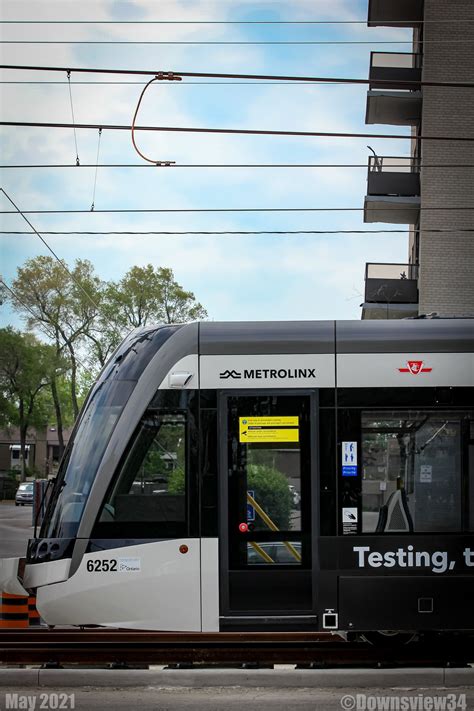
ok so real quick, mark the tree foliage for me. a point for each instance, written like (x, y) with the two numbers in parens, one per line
(85, 318)
(146, 295)
(27, 367)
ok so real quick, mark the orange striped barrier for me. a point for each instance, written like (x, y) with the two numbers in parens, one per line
(33, 614)
(13, 611)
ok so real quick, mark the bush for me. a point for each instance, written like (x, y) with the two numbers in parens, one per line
(176, 482)
(271, 493)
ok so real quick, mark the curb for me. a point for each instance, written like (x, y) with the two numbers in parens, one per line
(202, 678)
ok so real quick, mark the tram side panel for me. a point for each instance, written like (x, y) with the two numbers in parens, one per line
(403, 556)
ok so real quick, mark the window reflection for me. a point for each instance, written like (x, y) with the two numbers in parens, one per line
(151, 484)
(274, 482)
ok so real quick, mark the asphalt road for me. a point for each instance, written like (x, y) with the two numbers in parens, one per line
(233, 698)
(15, 529)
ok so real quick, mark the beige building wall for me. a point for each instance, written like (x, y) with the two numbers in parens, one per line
(446, 281)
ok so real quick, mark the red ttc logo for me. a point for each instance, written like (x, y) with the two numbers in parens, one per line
(415, 367)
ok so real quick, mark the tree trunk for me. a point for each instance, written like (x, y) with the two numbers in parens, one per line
(23, 430)
(75, 406)
(59, 417)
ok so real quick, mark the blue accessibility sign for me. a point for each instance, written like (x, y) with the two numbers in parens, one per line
(349, 459)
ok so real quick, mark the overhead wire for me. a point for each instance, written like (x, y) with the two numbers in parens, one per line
(28, 308)
(236, 42)
(389, 209)
(230, 165)
(232, 131)
(232, 232)
(51, 250)
(409, 22)
(96, 169)
(249, 77)
(73, 119)
(42, 326)
(186, 83)
(142, 155)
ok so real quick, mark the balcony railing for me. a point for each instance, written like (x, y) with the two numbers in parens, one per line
(393, 176)
(386, 68)
(391, 283)
(394, 13)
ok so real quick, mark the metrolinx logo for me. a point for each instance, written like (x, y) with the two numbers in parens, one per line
(230, 374)
(268, 373)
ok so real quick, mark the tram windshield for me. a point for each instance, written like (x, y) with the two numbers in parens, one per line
(85, 450)
(80, 465)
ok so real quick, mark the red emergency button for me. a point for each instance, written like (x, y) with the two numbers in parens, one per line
(243, 528)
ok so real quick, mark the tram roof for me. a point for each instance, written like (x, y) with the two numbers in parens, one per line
(434, 335)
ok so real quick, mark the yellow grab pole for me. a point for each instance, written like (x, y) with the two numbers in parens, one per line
(272, 526)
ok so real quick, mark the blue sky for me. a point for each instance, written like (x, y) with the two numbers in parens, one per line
(234, 277)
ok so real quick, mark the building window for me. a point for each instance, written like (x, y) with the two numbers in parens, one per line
(15, 456)
(412, 471)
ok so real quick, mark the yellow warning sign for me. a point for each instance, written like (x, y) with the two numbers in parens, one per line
(269, 429)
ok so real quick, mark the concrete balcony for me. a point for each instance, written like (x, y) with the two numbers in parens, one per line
(393, 190)
(388, 102)
(391, 291)
(394, 13)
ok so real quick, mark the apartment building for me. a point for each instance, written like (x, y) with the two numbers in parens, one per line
(433, 188)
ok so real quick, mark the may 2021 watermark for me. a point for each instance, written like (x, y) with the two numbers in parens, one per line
(414, 702)
(36, 702)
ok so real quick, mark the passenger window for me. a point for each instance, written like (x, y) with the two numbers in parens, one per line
(150, 489)
(412, 471)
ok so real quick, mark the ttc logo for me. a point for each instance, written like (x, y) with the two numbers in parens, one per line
(415, 367)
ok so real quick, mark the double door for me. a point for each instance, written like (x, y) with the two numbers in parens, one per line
(268, 504)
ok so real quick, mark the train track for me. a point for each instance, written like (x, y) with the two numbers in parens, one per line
(113, 646)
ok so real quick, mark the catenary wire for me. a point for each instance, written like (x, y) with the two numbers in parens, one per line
(72, 114)
(232, 131)
(235, 42)
(186, 83)
(167, 75)
(229, 22)
(185, 210)
(96, 169)
(28, 308)
(234, 232)
(58, 259)
(43, 326)
(231, 165)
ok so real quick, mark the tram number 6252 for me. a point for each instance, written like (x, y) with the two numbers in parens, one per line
(101, 566)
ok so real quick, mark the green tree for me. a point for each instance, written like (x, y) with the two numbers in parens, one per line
(146, 295)
(27, 367)
(65, 307)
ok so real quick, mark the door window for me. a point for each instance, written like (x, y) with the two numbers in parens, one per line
(269, 473)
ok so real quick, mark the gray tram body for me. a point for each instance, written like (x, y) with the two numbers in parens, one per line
(155, 520)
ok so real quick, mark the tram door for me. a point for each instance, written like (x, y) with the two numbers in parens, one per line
(267, 470)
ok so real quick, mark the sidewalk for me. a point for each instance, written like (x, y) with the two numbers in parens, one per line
(270, 678)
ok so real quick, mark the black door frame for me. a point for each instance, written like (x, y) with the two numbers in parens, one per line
(223, 477)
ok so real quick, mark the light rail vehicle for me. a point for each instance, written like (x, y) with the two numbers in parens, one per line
(269, 476)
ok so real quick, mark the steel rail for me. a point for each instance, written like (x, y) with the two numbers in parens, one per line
(99, 646)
